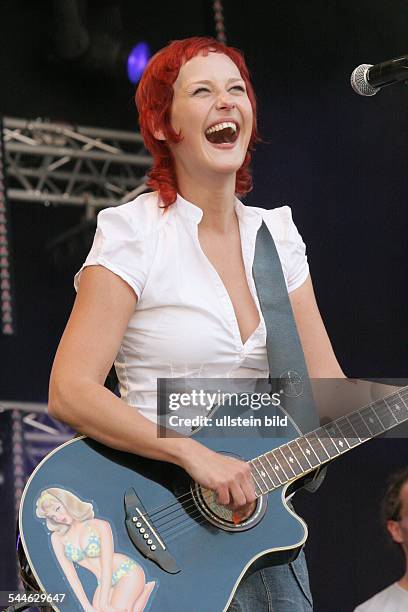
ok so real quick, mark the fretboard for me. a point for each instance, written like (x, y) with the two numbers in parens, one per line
(306, 453)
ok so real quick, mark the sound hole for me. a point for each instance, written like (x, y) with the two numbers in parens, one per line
(209, 500)
(222, 517)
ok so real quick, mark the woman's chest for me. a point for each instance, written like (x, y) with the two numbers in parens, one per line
(227, 260)
(197, 304)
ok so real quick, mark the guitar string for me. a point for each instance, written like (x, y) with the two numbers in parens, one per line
(182, 511)
(187, 518)
(207, 496)
(180, 531)
(189, 496)
(169, 531)
(170, 537)
(175, 528)
(403, 392)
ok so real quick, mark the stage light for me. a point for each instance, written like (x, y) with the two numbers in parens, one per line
(89, 38)
(137, 61)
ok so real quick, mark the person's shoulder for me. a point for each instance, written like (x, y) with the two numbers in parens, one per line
(278, 220)
(141, 216)
(379, 602)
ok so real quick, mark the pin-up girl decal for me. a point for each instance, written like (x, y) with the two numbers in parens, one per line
(79, 538)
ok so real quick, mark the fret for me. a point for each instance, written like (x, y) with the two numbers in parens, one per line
(258, 490)
(291, 459)
(339, 441)
(385, 414)
(308, 451)
(372, 421)
(324, 448)
(255, 476)
(262, 477)
(263, 474)
(276, 468)
(359, 426)
(348, 432)
(269, 470)
(300, 456)
(400, 394)
(398, 407)
(284, 463)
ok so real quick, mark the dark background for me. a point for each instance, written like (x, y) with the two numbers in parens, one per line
(338, 159)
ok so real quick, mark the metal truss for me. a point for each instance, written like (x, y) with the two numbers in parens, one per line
(39, 433)
(33, 435)
(57, 163)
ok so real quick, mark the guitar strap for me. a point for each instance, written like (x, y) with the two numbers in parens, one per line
(287, 365)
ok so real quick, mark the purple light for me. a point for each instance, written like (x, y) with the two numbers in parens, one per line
(137, 61)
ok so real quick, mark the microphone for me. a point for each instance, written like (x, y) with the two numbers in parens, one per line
(367, 79)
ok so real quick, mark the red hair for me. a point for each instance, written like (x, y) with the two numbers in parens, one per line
(154, 97)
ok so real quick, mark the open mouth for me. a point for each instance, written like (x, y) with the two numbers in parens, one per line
(222, 133)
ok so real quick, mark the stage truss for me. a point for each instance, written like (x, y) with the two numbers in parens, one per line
(56, 163)
(33, 435)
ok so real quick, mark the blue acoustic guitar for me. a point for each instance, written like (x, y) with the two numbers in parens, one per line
(104, 530)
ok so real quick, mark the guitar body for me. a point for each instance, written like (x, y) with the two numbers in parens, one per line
(205, 560)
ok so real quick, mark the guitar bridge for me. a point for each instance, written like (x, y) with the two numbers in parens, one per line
(144, 536)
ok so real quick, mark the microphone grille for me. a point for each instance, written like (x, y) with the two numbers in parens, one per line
(359, 81)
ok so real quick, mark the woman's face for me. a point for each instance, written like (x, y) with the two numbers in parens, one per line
(213, 113)
(58, 513)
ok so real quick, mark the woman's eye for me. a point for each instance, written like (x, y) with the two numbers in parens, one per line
(240, 87)
(200, 89)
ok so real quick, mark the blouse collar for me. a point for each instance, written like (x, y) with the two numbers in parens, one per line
(245, 214)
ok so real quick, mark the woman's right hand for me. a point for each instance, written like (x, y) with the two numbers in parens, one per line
(230, 478)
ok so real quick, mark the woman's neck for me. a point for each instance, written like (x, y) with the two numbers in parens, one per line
(403, 582)
(216, 201)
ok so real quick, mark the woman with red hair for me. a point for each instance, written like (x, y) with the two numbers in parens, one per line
(169, 281)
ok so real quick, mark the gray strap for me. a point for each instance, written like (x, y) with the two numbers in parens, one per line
(284, 349)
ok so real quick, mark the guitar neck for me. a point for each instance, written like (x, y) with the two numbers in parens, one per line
(308, 452)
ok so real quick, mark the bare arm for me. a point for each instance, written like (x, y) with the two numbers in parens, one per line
(88, 347)
(70, 573)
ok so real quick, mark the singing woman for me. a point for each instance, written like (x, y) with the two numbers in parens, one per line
(167, 288)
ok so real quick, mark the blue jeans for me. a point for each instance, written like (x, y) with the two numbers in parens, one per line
(281, 588)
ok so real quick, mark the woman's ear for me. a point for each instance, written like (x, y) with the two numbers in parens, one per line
(394, 530)
(159, 135)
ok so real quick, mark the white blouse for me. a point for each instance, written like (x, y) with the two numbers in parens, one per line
(184, 324)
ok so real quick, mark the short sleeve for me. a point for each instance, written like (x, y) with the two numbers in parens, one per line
(297, 266)
(118, 246)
